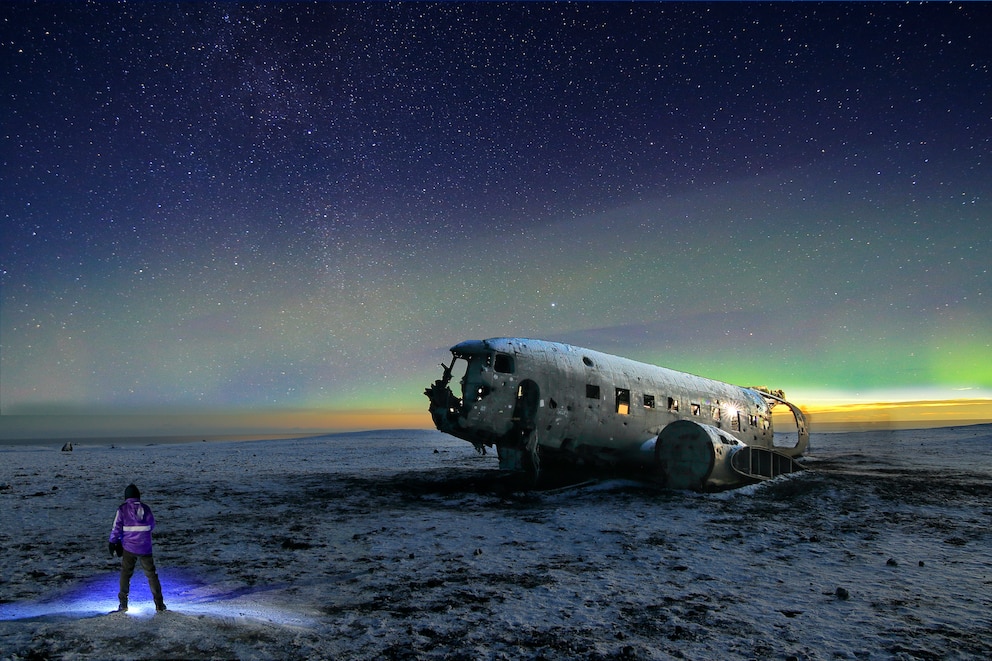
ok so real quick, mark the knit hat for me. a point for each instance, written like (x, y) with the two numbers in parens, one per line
(131, 492)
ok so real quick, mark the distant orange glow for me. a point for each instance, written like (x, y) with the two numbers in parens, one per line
(903, 415)
(354, 420)
(823, 417)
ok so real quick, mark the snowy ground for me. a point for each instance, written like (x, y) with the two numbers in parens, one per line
(374, 545)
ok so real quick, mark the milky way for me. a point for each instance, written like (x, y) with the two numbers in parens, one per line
(301, 206)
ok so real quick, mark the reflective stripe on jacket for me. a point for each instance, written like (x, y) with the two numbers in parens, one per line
(133, 526)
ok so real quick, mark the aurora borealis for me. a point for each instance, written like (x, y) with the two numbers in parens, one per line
(223, 217)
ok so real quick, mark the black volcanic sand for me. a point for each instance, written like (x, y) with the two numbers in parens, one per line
(866, 555)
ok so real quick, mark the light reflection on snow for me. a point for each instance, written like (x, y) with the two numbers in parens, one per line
(183, 594)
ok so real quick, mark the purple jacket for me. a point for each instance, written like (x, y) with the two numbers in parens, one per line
(133, 525)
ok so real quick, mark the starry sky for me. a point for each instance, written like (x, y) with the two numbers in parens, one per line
(279, 216)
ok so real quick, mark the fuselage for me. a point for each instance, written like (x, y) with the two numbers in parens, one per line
(573, 405)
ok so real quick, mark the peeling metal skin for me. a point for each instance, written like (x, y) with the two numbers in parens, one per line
(547, 405)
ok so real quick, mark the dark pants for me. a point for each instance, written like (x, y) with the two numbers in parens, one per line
(148, 566)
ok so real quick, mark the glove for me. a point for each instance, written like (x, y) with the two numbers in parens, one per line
(119, 549)
(112, 547)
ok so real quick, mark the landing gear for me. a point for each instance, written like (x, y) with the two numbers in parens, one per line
(524, 431)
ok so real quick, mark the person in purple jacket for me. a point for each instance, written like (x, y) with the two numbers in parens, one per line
(131, 540)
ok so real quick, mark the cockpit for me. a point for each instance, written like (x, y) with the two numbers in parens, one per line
(475, 366)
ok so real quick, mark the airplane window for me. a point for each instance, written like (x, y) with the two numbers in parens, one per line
(592, 392)
(649, 401)
(623, 401)
(587, 361)
(694, 408)
(504, 363)
(673, 404)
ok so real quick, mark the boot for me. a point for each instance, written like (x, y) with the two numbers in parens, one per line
(159, 605)
(123, 605)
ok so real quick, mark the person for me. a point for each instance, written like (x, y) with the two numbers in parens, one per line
(131, 540)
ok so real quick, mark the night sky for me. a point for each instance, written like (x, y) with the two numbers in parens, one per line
(297, 208)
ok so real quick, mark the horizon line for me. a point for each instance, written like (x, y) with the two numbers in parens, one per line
(167, 439)
(917, 413)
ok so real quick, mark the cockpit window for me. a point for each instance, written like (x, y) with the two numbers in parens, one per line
(474, 386)
(504, 363)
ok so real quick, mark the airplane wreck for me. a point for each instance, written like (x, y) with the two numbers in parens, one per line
(547, 405)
